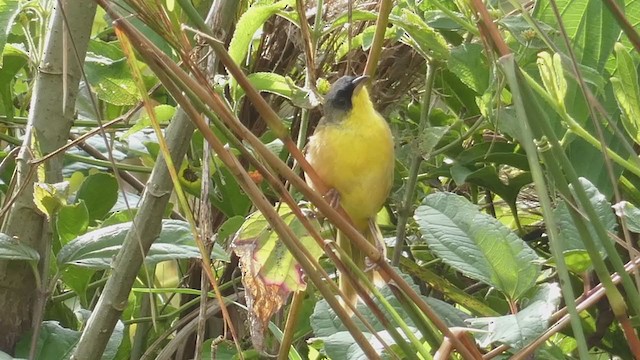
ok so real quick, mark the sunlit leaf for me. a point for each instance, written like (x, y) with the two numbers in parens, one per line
(571, 240)
(50, 197)
(627, 92)
(470, 65)
(57, 343)
(269, 271)
(421, 36)
(520, 329)
(99, 192)
(96, 249)
(72, 221)
(9, 9)
(247, 26)
(477, 244)
(12, 249)
(630, 213)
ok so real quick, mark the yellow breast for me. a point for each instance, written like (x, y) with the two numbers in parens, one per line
(356, 158)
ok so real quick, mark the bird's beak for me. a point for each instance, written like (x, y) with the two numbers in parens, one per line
(359, 82)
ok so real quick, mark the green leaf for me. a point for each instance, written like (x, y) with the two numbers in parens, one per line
(270, 272)
(96, 249)
(522, 31)
(248, 24)
(99, 192)
(590, 26)
(627, 92)
(499, 152)
(111, 80)
(420, 36)
(12, 249)
(57, 343)
(571, 241)
(9, 9)
(356, 15)
(279, 85)
(365, 39)
(227, 195)
(477, 244)
(339, 343)
(72, 221)
(229, 227)
(49, 198)
(163, 114)
(630, 214)
(13, 59)
(470, 65)
(520, 329)
(430, 138)
(552, 75)
(78, 280)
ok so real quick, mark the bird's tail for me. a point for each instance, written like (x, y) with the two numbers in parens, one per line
(374, 236)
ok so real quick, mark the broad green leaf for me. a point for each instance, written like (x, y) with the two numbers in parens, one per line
(590, 26)
(574, 249)
(78, 279)
(497, 152)
(96, 249)
(520, 329)
(430, 138)
(12, 249)
(339, 343)
(270, 272)
(229, 227)
(57, 343)
(438, 20)
(630, 213)
(118, 217)
(477, 244)
(248, 24)
(627, 92)
(227, 195)
(163, 114)
(49, 198)
(522, 31)
(111, 80)
(420, 36)
(72, 221)
(470, 66)
(99, 192)
(9, 9)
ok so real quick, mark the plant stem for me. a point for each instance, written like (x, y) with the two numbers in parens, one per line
(405, 210)
(289, 328)
(378, 37)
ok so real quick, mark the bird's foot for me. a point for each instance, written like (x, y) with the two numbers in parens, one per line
(333, 197)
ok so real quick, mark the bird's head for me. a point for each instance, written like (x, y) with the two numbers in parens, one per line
(345, 94)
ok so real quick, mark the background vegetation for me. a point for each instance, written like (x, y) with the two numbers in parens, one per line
(143, 141)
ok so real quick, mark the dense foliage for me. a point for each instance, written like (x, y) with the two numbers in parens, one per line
(151, 167)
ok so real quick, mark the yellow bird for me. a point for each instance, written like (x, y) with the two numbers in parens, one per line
(353, 154)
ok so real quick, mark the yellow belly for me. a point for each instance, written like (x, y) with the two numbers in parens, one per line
(356, 158)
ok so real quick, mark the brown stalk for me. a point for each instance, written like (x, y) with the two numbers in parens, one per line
(489, 30)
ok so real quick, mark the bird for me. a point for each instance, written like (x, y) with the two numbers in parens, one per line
(352, 153)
